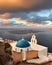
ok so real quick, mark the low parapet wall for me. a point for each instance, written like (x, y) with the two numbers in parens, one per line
(31, 54)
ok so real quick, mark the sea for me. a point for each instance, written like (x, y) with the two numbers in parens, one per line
(44, 38)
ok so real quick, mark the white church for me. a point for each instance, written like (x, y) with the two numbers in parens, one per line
(24, 45)
(29, 45)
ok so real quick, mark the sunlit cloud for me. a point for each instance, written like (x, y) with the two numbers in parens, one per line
(18, 21)
(49, 23)
(5, 15)
(5, 21)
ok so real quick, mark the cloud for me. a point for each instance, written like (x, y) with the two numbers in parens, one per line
(5, 15)
(5, 21)
(24, 5)
(38, 17)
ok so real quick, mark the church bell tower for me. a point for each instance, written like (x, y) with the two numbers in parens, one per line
(33, 39)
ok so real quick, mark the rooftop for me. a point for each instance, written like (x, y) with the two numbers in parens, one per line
(22, 43)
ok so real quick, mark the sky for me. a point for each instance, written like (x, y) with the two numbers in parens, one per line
(26, 12)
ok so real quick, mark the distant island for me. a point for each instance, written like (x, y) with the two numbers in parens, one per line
(24, 31)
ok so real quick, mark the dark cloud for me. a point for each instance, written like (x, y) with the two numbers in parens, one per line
(23, 15)
(24, 5)
(39, 20)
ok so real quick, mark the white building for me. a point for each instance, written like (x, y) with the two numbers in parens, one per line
(24, 45)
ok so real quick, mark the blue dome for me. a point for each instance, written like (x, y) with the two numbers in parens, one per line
(22, 44)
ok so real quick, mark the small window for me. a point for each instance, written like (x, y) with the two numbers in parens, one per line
(33, 36)
(32, 40)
